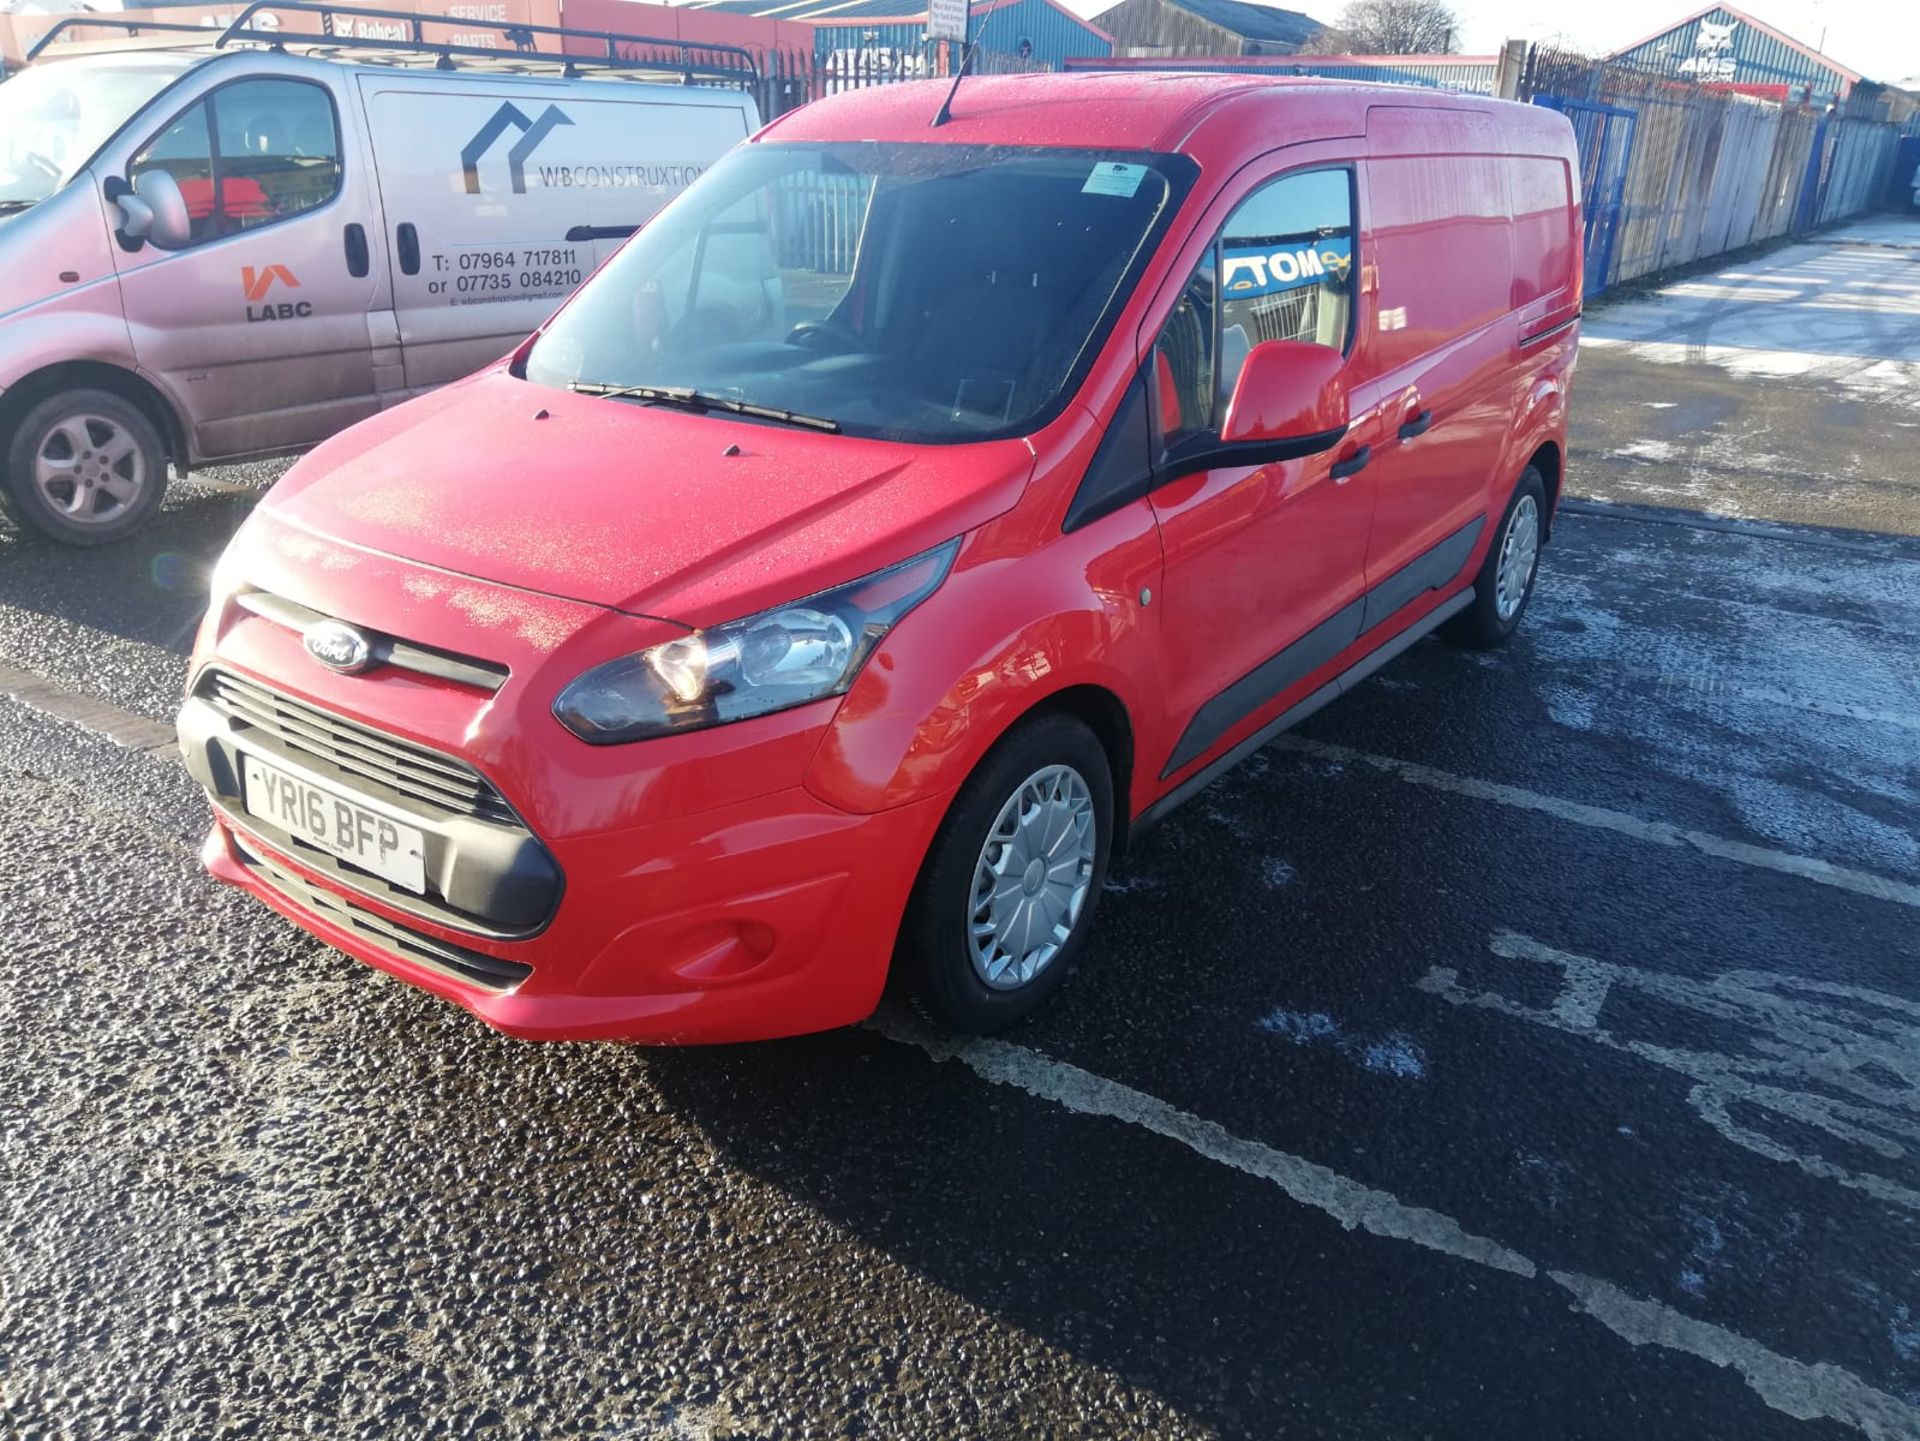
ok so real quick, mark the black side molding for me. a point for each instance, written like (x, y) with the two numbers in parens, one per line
(1428, 571)
(1291, 717)
(1551, 331)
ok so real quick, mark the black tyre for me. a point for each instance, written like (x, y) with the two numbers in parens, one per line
(1505, 583)
(1011, 883)
(84, 467)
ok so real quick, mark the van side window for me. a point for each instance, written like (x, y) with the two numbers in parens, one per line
(279, 151)
(1280, 269)
(1287, 267)
(185, 151)
(250, 154)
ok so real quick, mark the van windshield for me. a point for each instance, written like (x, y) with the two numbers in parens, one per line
(54, 117)
(920, 292)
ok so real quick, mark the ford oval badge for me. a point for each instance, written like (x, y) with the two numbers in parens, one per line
(338, 647)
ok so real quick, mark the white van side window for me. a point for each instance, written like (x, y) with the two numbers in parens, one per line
(1280, 269)
(250, 154)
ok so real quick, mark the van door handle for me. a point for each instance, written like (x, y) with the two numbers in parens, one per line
(1345, 470)
(359, 262)
(407, 240)
(1417, 426)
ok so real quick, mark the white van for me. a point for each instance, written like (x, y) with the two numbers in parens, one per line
(226, 253)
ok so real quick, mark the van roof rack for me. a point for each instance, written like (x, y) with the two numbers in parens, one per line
(400, 36)
(136, 29)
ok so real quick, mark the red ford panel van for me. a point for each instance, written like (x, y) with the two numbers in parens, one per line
(904, 519)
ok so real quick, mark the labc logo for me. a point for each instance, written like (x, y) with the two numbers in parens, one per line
(256, 284)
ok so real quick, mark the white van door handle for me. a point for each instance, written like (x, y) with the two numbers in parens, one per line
(359, 261)
(406, 241)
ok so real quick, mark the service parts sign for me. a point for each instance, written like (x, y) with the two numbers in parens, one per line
(518, 196)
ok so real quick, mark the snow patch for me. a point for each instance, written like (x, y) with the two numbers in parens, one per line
(1394, 1054)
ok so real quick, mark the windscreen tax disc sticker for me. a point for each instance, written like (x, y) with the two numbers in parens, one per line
(1112, 177)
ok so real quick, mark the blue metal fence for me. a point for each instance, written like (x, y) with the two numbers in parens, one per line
(1604, 134)
(1672, 172)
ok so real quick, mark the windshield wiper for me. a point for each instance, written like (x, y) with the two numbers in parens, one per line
(701, 401)
(7, 207)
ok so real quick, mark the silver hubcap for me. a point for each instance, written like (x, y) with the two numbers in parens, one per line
(89, 469)
(1519, 550)
(1032, 878)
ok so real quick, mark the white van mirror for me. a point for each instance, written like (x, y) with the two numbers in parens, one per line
(136, 218)
(167, 223)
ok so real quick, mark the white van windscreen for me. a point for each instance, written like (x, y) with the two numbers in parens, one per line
(916, 292)
(54, 117)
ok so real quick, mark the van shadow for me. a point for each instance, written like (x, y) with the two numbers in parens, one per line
(1123, 1253)
(1187, 1280)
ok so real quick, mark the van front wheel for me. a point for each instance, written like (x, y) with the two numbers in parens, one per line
(1009, 887)
(84, 467)
(1505, 583)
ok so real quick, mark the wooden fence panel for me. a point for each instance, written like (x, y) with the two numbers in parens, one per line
(1713, 171)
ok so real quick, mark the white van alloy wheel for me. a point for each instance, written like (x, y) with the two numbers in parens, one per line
(1519, 551)
(1032, 878)
(89, 468)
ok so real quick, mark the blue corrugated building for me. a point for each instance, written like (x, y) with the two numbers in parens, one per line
(1041, 32)
(1724, 46)
(1205, 27)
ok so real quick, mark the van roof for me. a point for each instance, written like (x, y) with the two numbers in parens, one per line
(1106, 111)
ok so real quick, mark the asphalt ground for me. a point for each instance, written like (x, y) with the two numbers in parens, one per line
(1528, 1046)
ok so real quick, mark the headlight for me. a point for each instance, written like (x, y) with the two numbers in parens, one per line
(780, 658)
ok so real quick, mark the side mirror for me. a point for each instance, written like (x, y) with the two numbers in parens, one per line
(136, 219)
(167, 223)
(1288, 390)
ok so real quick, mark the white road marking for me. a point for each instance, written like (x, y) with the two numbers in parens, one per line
(1816, 1392)
(1807, 1391)
(1818, 1056)
(1349, 1202)
(1810, 868)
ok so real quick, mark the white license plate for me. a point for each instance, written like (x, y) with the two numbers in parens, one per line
(337, 825)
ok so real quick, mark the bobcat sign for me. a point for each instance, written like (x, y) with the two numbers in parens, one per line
(1712, 59)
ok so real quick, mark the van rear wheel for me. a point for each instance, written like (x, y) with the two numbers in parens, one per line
(84, 467)
(1504, 584)
(1010, 885)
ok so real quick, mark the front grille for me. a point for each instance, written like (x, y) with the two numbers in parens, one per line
(386, 649)
(439, 781)
(397, 940)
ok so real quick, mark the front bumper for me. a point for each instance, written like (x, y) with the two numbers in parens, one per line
(684, 889)
(772, 917)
